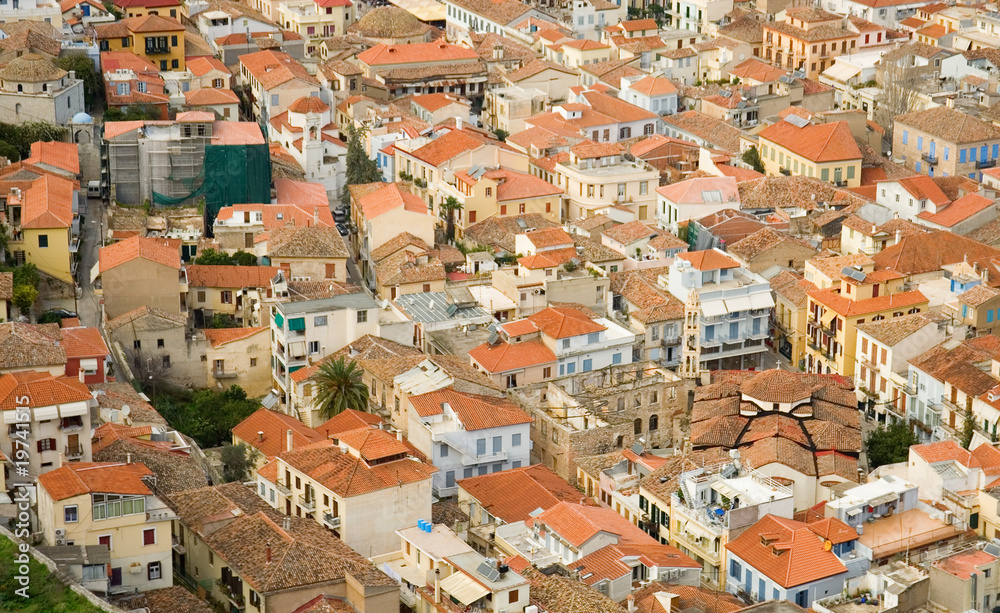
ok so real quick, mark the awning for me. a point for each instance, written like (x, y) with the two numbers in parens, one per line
(463, 589)
(698, 531)
(738, 304)
(725, 490)
(828, 316)
(883, 499)
(713, 308)
(854, 512)
(88, 364)
(297, 349)
(43, 413)
(10, 417)
(72, 409)
(841, 71)
(761, 300)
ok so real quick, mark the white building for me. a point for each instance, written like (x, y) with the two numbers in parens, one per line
(466, 435)
(48, 11)
(304, 131)
(727, 309)
(32, 88)
(887, 15)
(654, 94)
(694, 199)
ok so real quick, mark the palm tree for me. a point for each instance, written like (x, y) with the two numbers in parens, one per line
(449, 207)
(340, 388)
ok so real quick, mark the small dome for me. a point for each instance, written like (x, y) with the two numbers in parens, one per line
(31, 68)
(308, 104)
(82, 117)
(389, 22)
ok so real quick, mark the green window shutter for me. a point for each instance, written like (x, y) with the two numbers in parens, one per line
(299, 324)
(279, 320)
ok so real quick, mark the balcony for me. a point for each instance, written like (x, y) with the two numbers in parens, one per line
(230, 593)
(952, 406)
(177, 546)
(222, 374)
(71, 424)
(157, 50)
(74, 452)
(929, 158)
(909, 389)
(673, 339)
(309, 504)
(283, 488)
(330, 521)
(985, 164)
(715, 341)
(785, 172)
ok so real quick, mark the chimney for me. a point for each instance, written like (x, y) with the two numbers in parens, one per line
(288, 440)
(437, 586)
(286, 523)
(260, 436)
(399, 435)
(316, 216)
(458, 123)
(128, 458)
(897, 236)
(268, 552)
(631, 603)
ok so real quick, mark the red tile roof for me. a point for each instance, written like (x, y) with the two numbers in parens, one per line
(273, 68)
(564, 322)
(827, 142)
(446, 147)
(416, 53)
(786, 551)
(709, 259)
(503, 357)
(48, 203)
(348, 476)
(958, 211)
(944, 451)
(41, 388)
(161, 251)
(223, 336)
(475, 412)
(348, 420)
(850, 308)
(388, 198)
(61, 155)
(83, 343)
(208, 96)
(512, 495)
(549, 237)
(275, 428)
(78, 478)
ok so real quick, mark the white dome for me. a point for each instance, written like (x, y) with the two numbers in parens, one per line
(82, 117)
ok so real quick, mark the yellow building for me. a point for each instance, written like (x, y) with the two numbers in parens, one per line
(158, 39)
(41, 219)
(316, 19)
(141, 8)
(790, 315)
(237, 291)
(583, 52)
(858, 235)
(486, 193)
(834, 312)
(110, 504)
(795, 147)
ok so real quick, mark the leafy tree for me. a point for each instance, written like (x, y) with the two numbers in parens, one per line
(889, 444)
(361, 169)
(340, 388)
(751, 157)
(10, 152)
(968, 428)
(22, 135)
(237, 462)
(27, 274)
(244, 258)
(221, 320)
(133, 112)
(501, 135)
(24, 297)
(448, 207)
(93, 85)
(207, 416)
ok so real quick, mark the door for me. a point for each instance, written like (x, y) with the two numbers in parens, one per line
(801, 597)
(932, 149)
(72, 443)
(248, 239)
(116, 577)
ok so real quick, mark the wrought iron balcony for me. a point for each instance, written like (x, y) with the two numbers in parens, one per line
(929, 158)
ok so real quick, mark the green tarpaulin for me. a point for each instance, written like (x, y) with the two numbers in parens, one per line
(231, 174)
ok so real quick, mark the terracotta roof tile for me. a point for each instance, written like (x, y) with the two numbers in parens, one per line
(306, 242)
(894, 330)
(950, 125)
(709, 260)
(161, 251)
(273, 68)
(349, 476)
(512, 495)
(503, 357)
(78, 478)
(82, 342)
(223, 336)
(275, 428)
(474, 411)
(828, 142)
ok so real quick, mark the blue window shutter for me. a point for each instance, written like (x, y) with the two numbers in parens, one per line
(996, 152)
(989, 315)
(972, 154)
(982, 153)
(965, 310)
(920, 143)
(906, 136)
(947, 150)
(961, 156)
(918, 166)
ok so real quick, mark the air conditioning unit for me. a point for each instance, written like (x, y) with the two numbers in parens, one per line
(60, 542)
(60, 533)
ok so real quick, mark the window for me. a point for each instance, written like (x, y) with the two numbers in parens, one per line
(588, 365)
(565, 343)
(363, 315)
(444, 451)
(481, 446)
(137, 344)
(70, 513)
(174, 64)
(313, 347)
(47, 444)
(497, 444)
(515, 440)
(319, 321)
(274, 100)
(513, 595)
(331, 271)
(594, 337)
(159, 343)
(105, 539)
(647, 129)
(149, 536)
(625, 132)
(166, 361)
(644, 188)
(227, 296)
(735, 570)
(94, 572)
(43, 240)
(216, 83)
(616, 358)
(153, 571)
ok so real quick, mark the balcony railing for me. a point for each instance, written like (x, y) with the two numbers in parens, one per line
(309, 504)
(909, 389)
(785, 172)
(331, 521)
(985, 163)
(74, 451)
(157, 50)
(69, 424)
(283, 488)
(929, 158)
(952, 406)
(673, 339)
(222, 374)
(177, 546)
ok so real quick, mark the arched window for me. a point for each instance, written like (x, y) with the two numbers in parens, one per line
(619, 441)
(17, 109)
(654, 422)
(637, 426)
(45, 87)
(20, 88)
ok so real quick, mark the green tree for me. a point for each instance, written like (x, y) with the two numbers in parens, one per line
(244, 258)
(133, 112)
(889, 444)
(751, 157)
(501, 135)
(208, 416)
(27, 274)
(221, 320)
(361, 169)
(340, 388)
(212, 257)
(9, 151)
(448, 207)
(24, 297)
(968, 427)
(21, 136)
(83, 66)
(237, 462)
